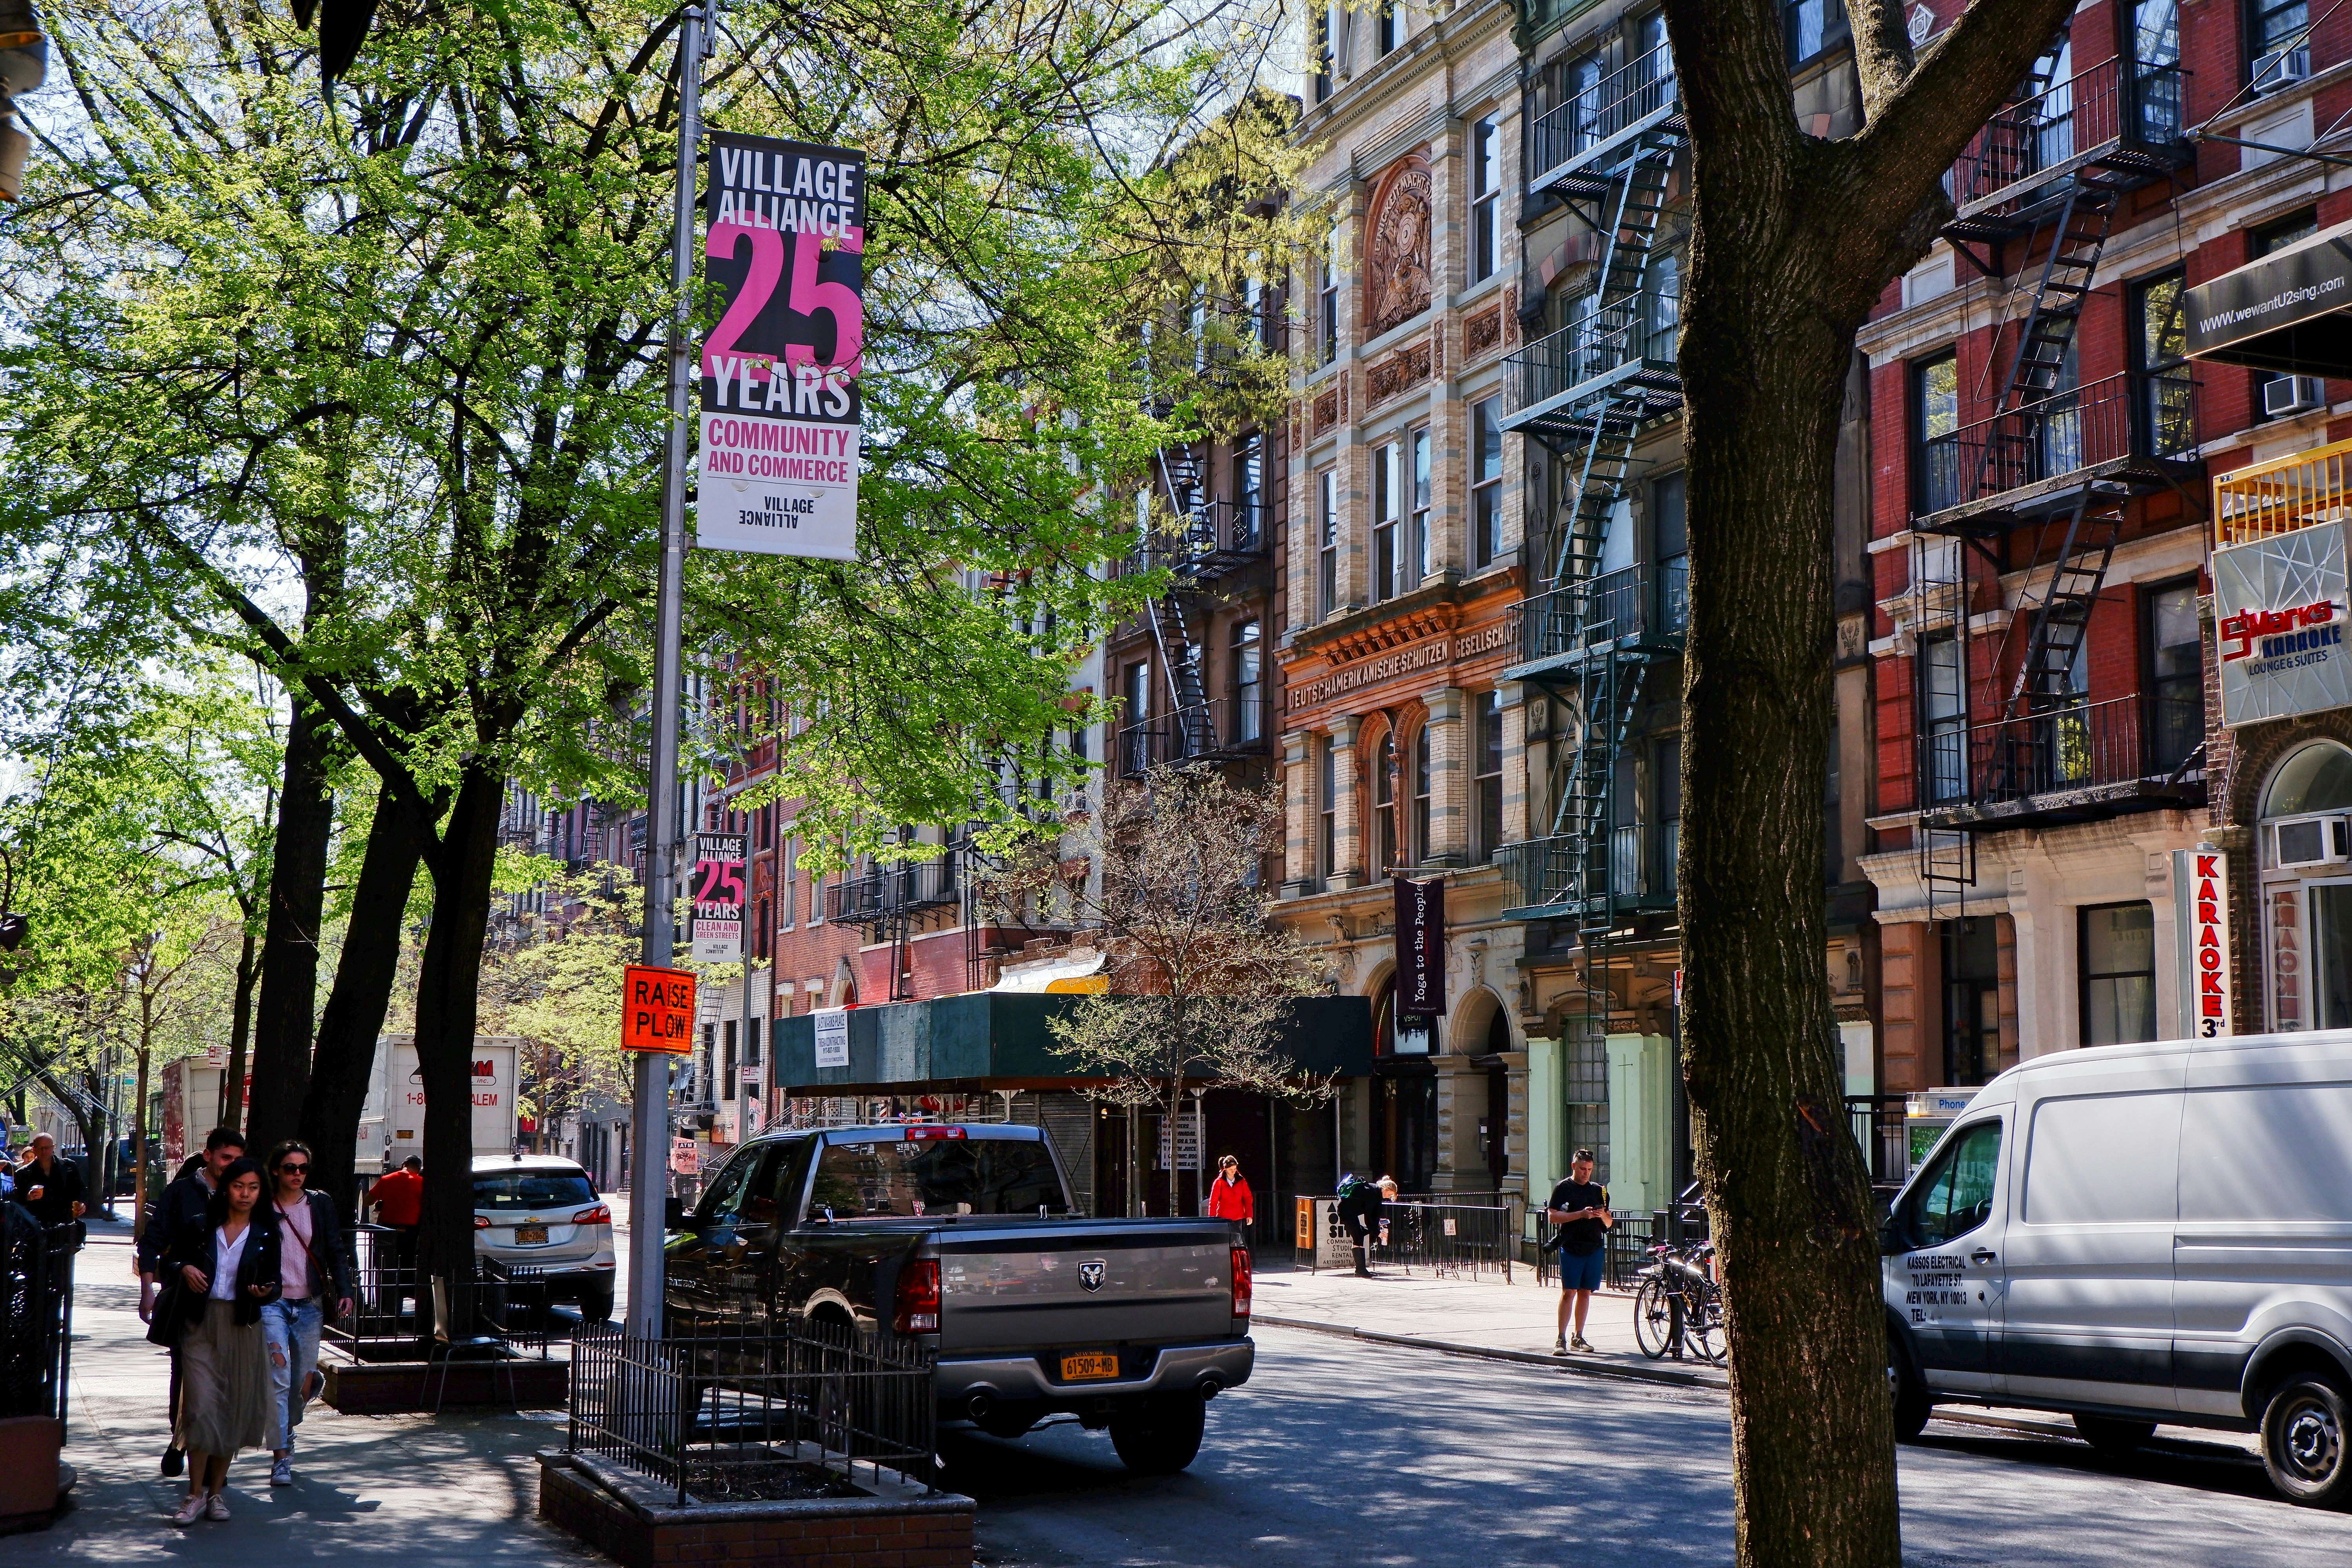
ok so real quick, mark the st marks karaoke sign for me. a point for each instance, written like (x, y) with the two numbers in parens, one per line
(780, 415)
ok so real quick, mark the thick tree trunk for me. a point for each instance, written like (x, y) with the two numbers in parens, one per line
(447, 979)
(353, 1016)
(1813, 1439)
(290, 933)
(231, 1111)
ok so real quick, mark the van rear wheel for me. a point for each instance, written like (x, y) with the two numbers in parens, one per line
(2113, 1437)
(1912, 1405)
(2304, 1428)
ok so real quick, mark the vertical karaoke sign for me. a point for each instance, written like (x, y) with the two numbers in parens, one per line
(780, 415)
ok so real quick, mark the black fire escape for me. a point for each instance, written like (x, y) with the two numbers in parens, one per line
(2055, 462)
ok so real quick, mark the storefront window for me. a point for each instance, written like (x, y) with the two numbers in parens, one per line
(1972, 1001)
(2306, 896)
(2117, 952)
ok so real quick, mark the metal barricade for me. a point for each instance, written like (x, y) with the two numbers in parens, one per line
(1452, 1240)
(738, 1411)
(1628, 1242)
(36, 1312)
(392, 1310)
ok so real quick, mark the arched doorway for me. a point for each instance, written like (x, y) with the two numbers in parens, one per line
(2303, 849)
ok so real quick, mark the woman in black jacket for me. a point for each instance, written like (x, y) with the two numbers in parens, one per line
(225, 1271)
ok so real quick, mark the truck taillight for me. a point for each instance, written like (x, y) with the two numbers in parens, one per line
(917, 1306)
(481, 1222)
(599, 1214)
(923, 1134)
(1241, 1282)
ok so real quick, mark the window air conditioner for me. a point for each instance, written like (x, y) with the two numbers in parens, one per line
(2293, 395)
(2281, 69)
(2304, 841)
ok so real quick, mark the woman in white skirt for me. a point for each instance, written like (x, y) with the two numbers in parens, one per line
(227, 1271)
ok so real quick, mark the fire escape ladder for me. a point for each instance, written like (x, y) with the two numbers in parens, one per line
(1180, 653)
(2045, 333)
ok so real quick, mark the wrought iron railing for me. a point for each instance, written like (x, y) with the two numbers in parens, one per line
(1608, 109)
(1633, 864)
(748, 1410)
(1880, 1128)
(1450, 1239)
(2034, 139)
(1650, 601)
(1640, 329)
(2283, 494)
(2121, 416)
(37, 1290)
(1220, 727)
(2077, 746)
(900, 888)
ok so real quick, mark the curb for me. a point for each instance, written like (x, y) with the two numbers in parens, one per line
(1618, 1372)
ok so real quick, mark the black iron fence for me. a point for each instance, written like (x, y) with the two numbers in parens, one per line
(36, 1312)
(1453, 1240)
(1879, 1128)
(746, 1410)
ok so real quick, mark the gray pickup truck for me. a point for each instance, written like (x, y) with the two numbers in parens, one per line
(963, 1238)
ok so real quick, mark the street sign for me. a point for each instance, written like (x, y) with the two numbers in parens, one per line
(832, 1037)
(656, 1009)
(718, 859)
(2200, 898)
(781, 417)
(685, 1158)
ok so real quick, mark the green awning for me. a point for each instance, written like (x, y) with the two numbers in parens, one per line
(986, 1038)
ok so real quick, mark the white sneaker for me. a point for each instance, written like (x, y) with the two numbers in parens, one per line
(215, 1507)
(281, 1472)
(191, 1508)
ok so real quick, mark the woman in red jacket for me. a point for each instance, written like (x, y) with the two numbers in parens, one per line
(1229, 1196)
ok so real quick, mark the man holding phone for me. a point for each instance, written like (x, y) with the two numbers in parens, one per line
(1579, 1206)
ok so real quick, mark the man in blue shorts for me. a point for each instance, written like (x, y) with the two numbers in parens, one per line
(1579, 1206)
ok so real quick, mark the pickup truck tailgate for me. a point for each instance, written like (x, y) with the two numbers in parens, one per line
(1072, 1283)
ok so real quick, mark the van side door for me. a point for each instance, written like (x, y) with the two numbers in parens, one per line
(1950, 1224)
(2088, 1315)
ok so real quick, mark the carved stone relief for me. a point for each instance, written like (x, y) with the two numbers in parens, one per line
(1396, 280)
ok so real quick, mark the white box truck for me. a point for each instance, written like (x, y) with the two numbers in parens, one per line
(392, 1123)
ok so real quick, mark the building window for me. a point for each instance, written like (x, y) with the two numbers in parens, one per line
(1326, 554)
(1249, 493)
(1972, 1001)
(1135, 714)
(1935, 423)
(1485, 481)
(1417, 542)
(1943, 718)
(1813, 28)
(1485, 198)
(1665, 812)
(1323, 72)
(1391, 25)
(1487, 749)
(1670, 549)
(2160, 354)
(760, 931)
(789, 912)
(1388, 522)
(2116, 950)
(2272, 26)
(1327, 300)
(2176, 675)
(1384, 768)
(1249, 681)
(1417, 851)
(1326, 860)
(2269, 239)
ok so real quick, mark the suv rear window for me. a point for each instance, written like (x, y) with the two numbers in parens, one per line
(936, 1176)
(530, 1189)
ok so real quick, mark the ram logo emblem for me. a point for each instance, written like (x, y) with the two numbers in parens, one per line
(1090, 1274)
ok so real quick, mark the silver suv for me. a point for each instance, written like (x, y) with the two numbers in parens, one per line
(541, 1212)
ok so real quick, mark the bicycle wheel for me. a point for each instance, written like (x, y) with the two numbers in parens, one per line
(1703, 1328)
(1657, 1318)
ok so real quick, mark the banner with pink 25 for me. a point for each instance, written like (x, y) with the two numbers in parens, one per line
(780, 415)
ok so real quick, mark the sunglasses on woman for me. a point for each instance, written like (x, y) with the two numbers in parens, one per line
(291, 1169)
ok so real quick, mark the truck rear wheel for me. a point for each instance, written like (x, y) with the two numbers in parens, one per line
(1161, 1437)
(2304, 1438)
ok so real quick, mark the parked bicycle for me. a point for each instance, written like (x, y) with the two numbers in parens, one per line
(1678, 1307)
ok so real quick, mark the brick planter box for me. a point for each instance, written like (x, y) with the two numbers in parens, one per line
(638, 1522)
(388, 1388)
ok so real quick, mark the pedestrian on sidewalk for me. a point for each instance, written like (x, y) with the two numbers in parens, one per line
(228, 1271)
(399, 1200)
(1360, 1211)
(1229, 1195)
(1579, 1206)
(315, 1269)
(50, 1187)
(180, 1207)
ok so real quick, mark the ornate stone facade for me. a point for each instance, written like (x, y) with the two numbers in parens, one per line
(1396, 272)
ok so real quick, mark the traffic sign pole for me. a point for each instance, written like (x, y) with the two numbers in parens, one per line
(649, 1167)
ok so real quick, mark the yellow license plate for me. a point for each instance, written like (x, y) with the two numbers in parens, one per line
(531, 1235)
(1078, 1368)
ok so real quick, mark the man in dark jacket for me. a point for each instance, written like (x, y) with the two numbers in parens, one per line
(181, 1207)
(1360, 1211)
(48, 1185)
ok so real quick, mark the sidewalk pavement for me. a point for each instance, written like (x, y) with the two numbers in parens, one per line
(370, 1491)
(1483, 1317)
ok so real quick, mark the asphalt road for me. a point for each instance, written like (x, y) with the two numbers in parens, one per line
(1366, 1457)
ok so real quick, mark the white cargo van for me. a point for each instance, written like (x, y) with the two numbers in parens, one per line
(2142, 1233)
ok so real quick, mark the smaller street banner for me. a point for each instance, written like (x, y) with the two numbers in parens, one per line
(717, 898)
(1420, 952)
(780, 418)
(2201, 903)
(656, 1009)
